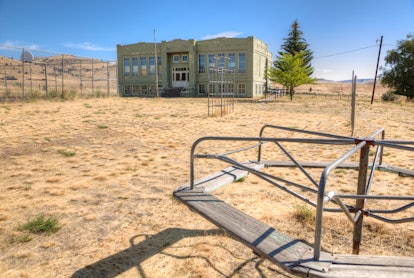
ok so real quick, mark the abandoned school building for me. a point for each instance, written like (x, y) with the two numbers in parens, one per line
(194, 68)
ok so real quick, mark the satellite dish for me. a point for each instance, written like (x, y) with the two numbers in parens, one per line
(27, 57)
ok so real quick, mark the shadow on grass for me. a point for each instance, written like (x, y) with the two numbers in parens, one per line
(136, 254)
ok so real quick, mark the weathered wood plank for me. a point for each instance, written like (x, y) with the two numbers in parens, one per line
(290, 254)
(263, 239)
(215, 181)
(375, 260)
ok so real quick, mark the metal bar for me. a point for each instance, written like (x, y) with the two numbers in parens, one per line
(373, 168)
(241, 150)
(303, 131)
(274, 139)
(384, 197)
(321, 195)
(297, 130)
(344, 208)
(297, 164)
(393, 221)
(265, 176)
(373, 135)
(396, 146)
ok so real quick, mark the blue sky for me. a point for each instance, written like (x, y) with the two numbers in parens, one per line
(342, 34)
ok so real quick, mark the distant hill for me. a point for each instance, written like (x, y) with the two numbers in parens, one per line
(359, 81)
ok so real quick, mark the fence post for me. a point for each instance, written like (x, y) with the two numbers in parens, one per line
(22, 73)
(5, 76)
(107, 79)
(93, 80)
(361, 190)
(63, 93)
(80, 77)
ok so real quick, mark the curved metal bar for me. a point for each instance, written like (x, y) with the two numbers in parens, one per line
(260, 140)
(299, 131)
(393, 221)
(407, 206)
(321, 194)
(302, 131)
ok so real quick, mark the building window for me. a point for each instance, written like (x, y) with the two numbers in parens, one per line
(176, 58)
(242, 89)
(201, 89)
(184, 58)
(221, 60)
(135, 66)
(151, 65)
(242, 63)
(127, 89)
(143, 65)
(144, 89)
(201, 63)
(211, 89)
(127, 67)
(231, 88)
(232, 62)
(221, 88)
(135, 89)
(211, 62)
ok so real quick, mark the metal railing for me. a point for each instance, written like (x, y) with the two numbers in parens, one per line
(365, 179)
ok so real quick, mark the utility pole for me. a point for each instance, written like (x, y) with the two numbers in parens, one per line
(376, 71)
(156, 66)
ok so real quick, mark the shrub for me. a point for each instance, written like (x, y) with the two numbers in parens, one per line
(389, 96)
(67, 153)
(41, 224)
(304, 214)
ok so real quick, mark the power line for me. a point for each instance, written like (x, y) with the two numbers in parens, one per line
(346, 52)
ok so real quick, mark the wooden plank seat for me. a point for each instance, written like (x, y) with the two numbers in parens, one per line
(291, 254)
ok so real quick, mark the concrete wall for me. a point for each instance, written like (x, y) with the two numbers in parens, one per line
(256, 52)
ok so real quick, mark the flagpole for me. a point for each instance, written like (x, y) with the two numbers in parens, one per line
(156, 66)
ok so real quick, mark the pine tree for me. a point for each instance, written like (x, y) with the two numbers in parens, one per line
(296, 44)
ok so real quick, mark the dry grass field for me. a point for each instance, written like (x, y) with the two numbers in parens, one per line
(106, 170)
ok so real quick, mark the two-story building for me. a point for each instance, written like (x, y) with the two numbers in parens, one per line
(194, 68)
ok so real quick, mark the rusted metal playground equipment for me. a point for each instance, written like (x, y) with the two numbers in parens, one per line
(292, 254)
(221, 82)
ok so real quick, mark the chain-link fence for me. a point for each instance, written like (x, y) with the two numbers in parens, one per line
(32, 73)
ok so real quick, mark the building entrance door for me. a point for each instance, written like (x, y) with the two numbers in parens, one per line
(180, 77)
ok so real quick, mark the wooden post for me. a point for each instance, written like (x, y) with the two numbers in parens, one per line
(5, 77)
(361, 190)
(63, 86)
(107, 78)
(353, 103)
(80, 77)
(376, 71)
(93, 80)
(22, 73)
(46, 85)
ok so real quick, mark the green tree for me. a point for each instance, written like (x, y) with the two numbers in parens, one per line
(399, 75)
(291, 72)
(296, 43)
